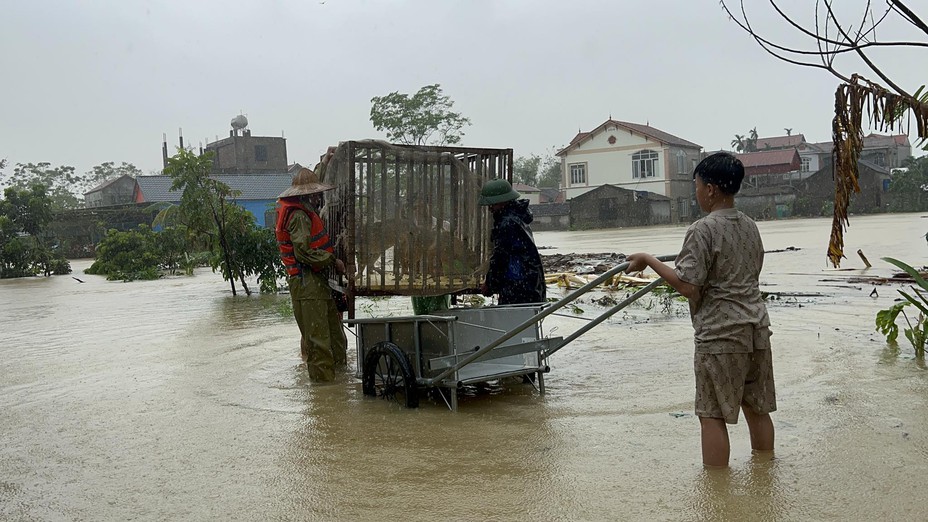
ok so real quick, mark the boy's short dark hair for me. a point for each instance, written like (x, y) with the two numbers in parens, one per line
(722, 170)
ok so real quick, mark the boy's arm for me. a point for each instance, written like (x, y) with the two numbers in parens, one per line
(640, 261)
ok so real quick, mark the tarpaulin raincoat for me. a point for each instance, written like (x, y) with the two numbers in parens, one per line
(515, 271)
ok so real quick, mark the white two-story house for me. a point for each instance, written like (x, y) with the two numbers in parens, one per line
(635, 157)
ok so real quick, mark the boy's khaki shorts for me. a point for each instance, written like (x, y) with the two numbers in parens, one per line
(726, 380)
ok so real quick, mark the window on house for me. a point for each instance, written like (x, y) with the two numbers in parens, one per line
(806, 164)
(578, 174)
(260, 152)
(681, 162)
(683, 205)
(644, 164)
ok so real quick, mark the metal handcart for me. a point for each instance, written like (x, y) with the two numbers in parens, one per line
(400, 356)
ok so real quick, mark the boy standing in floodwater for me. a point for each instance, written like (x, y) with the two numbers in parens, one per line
(718, 271)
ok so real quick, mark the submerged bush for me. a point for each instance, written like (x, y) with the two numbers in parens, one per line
(140, 253)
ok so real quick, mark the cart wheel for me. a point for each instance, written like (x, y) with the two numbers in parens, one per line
(388, 374)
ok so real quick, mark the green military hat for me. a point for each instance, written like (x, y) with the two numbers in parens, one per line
(497, 191)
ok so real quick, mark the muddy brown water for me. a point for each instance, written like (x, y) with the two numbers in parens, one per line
(172, 400)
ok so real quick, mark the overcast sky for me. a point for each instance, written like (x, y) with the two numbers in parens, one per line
(91, 81)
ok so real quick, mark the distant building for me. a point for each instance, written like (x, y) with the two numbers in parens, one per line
(551, 195)
(770, 167)
(608, 206)
(242, 153)
(257, 192)
(635, 157)
(255, 167)
(780, 142)
(884, 151)
(528, 192)
(117, 191)
(551, 216)
(816, 194)
(790, 176)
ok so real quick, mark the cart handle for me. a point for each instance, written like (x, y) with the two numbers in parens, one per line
(612, 311)
(537, 318)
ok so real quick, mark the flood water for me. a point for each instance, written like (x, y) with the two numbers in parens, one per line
(172, 400)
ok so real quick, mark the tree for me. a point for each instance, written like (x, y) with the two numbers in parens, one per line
(829, 38)
(424, 118)
(738, 143)
(550, 176)
(107, 171)
(204, 206)
(60, 182)
(207, 209)
(142, 253)
(24, 243)
(525, 170)
(130, 255)
(909, 188)
(745, 144)
(538, 171)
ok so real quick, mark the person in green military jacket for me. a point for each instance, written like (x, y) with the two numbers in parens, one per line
(307, 254)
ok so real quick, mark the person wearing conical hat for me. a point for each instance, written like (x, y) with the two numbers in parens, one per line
(308, 256)
(515, 271)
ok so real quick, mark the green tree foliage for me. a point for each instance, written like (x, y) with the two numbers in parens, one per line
(64, 186)
(238, 247)
(61, 182)
(24, 243)
(537, 171)
(129, 255)
(916, 326)
(743, 143)
(425, 118)
(909, 188)
(255, 250)
(550, 175)
(525, 170)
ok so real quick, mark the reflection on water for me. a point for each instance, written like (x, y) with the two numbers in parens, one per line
(171, 399)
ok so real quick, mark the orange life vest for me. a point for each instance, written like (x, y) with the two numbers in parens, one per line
(319, 238)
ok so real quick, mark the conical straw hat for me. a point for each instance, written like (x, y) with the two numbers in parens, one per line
(305, 182)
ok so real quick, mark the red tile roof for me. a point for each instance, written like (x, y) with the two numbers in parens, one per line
(780, 142)
(778, 161)
(523, 188)
(871, 141)
(644, 130)
(659, 135)
(880, 140)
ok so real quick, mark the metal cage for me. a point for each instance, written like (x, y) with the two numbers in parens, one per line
(406, 218)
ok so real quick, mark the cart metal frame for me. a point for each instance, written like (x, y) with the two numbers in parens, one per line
(449, 349)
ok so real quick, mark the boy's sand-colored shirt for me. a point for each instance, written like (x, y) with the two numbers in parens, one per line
(723, 255)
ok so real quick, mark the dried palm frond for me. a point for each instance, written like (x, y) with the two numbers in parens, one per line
(886, 112)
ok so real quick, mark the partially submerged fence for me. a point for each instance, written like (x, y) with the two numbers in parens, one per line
(406, 218)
